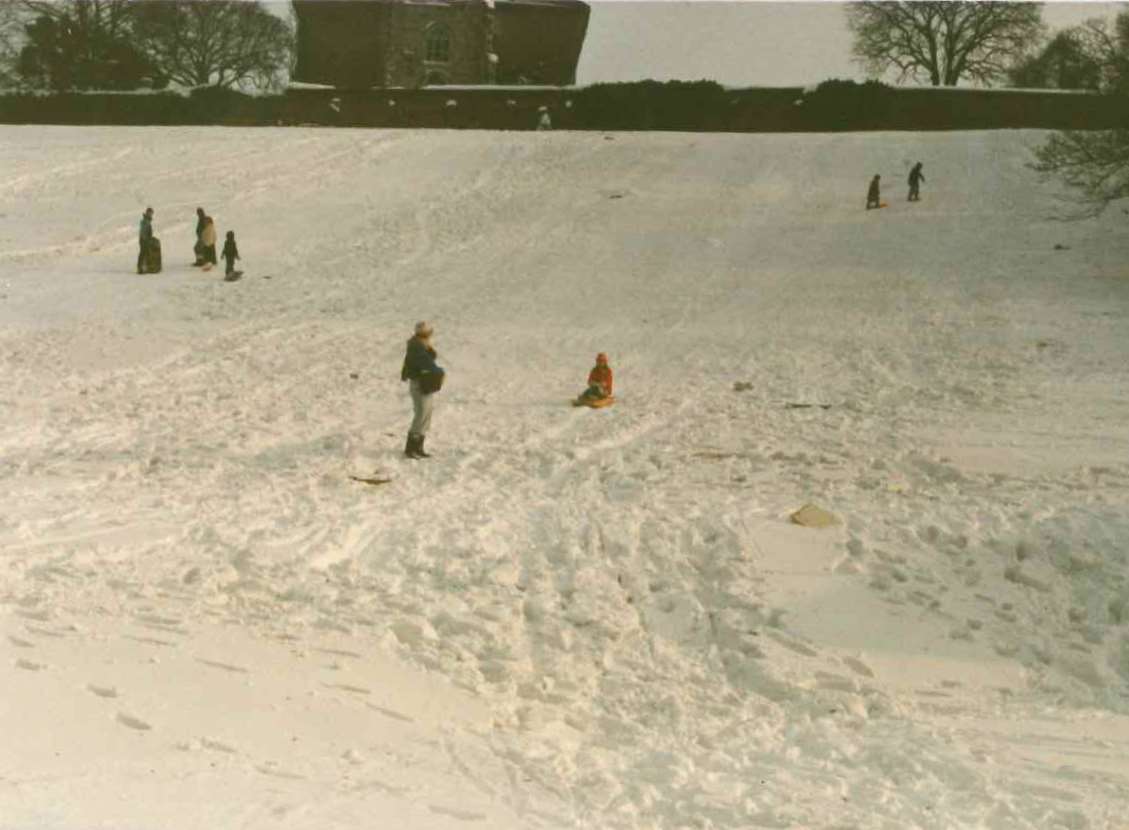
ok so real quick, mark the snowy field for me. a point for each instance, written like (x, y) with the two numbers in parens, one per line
(564, 619)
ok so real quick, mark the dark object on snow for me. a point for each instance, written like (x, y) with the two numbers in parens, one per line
(807, 405)
(915, 179)
(233, 276)
(872, 193)
(742, 386)
(812, 516)
(153, 256)
(371, 479)
(1062, 247)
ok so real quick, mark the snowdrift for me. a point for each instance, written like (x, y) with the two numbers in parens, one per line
(565, 618)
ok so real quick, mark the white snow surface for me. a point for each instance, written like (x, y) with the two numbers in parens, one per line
(566, 618)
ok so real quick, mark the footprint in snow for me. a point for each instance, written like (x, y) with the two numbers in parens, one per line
(224, 666)
(339, 652)
(152, 641)
(102, 691)
(18, 643)
(345, 687)
(390, 713)
(462, 815)
(858, 666)
(38, 616)
(132, 722)
(30, 665)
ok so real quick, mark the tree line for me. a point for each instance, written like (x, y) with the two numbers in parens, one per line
(65, 45)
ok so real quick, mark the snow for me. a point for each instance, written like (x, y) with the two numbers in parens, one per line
(566, 617)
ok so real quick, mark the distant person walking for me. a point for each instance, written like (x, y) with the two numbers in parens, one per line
(916, 177)
(873, 197)
(198, 248)
(144, 240)
(208, 242)
(230, 253)
(425, 378)
(544, 122)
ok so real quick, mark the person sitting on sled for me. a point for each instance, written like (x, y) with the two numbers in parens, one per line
(599, 381)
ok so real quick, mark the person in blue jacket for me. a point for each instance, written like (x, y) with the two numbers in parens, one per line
(424, 377)
(144, 237)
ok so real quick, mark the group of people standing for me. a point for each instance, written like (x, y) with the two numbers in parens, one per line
(204, 248)
(873, 193)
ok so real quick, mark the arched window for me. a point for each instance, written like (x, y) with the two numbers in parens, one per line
(437, 43)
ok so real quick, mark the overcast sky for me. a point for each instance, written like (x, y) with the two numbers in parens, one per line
(740, 42)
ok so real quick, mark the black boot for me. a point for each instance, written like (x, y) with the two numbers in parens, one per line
(412, 446)
(419, 448)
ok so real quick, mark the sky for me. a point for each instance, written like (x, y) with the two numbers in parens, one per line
(741, 42)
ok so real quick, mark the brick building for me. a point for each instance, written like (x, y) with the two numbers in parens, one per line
(358, 44)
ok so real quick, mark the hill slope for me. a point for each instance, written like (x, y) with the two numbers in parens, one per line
(565, 618)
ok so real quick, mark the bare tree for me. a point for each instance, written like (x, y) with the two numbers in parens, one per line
(85, 44)
(946, 41)
(222, 43)
(11, 40)
(1095, 165)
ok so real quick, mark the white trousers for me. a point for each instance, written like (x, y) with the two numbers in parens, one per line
(422, 405)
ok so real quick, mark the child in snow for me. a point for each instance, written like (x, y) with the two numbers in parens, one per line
(872, 197)
(916, 177)
(230, 252)
(599, 381)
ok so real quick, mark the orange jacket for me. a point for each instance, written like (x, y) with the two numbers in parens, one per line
(601, 375)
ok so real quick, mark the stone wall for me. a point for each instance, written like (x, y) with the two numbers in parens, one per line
(467, 36)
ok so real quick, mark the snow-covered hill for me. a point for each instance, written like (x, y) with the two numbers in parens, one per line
(588, 619)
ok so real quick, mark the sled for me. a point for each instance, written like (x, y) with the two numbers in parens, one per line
(153, 256)
(373, 480)
(594, 403)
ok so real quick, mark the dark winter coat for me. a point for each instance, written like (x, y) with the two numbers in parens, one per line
(230, 252)
(418, 360)
(201, 221)
(916, 176)
(146, 232)
(872, 194)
